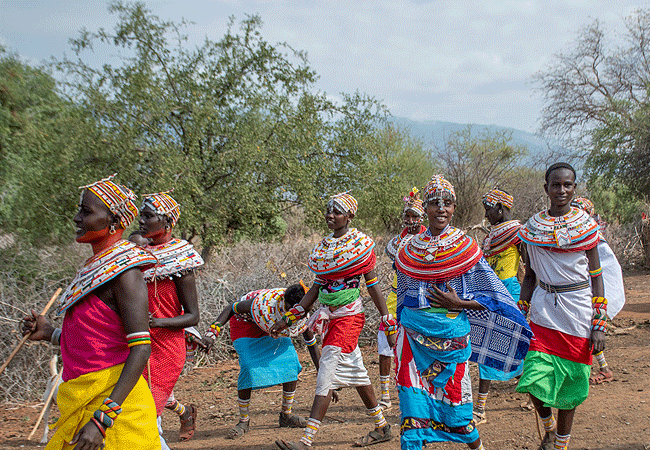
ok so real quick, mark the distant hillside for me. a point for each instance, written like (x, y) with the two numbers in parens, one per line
(435, 133)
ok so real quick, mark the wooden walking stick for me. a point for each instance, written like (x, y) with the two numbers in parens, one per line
(47, 404)
(24, 339)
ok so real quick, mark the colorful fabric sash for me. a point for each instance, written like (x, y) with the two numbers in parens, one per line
(102, 268)
(268, 307)
(351, 254)
(438, 258)
(175, 257)
(573, 232)
(393, 245)
(321, 318)
(501, 237)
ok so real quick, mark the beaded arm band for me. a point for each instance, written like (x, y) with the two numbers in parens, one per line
(371, 282)
(214, 331)
(311, 342)
(599, 318)
(390, 324)
(293, 315)
(596, 273)
(139, 338)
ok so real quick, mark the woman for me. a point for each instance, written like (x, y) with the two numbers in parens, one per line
(173, 302)
(263, 360)
(104, 401)
(502, 249)
(339, 261)
(445, 288)
(412, 217)
(567, 309)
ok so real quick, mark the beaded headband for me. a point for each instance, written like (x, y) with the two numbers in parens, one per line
(345, 202)
(119, 199)
(496, 196)
(413, 202)
(584, 204)
(439, 187)
(163, 204)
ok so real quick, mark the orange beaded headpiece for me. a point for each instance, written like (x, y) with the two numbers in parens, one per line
(119, 199)
(439, 187)
(496, 196)
(344, 201)
(163, 204)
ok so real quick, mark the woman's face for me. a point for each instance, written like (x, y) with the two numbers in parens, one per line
(93, 219)
(560, 187)
(494, 214)
(440, 211)
(151, 223)
(412, 221)
(336, 219)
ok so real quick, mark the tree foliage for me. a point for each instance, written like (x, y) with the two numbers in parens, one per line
(597, 101)
(474, 164)
(234, 126)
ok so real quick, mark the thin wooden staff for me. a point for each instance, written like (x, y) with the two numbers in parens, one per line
(24, 339)
(47, 404)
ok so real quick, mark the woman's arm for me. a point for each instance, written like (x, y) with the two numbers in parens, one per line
(380, 302)
(306, 303)
(597, 290)
(189, 298)
(130, 294)
(450, 300)
(527, 286)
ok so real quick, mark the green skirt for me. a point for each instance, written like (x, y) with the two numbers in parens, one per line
(557, 382)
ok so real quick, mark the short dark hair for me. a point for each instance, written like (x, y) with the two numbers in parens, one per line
(559, 165)
(293, 295)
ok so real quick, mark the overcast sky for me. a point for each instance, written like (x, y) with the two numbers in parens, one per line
(459, 61)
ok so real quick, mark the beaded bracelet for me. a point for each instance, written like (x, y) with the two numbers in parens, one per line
(139, 338)
(390, 324)
(293, 315)
(110, 408)
(371, 282)
(523, 306)
(234, 307)
(103, 418)
(101, 428)
(598, 325)
(311, 342)
(390, 330)
(596, 273)
(56, 336)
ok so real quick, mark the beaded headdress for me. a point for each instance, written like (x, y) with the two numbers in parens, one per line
(413, 202)
(119, 199)
(439, 187)
(344, 201)
(163, 204)
(496, 196)
(584, 204)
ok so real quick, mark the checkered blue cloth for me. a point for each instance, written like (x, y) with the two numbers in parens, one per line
(499, 335)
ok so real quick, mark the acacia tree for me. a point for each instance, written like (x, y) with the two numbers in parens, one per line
(597, 101)
(233, 125)
(475, 163)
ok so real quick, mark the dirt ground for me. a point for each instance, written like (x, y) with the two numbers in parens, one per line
(616, 416)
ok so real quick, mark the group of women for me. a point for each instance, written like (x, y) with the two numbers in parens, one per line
(122, 340)
(451, 307)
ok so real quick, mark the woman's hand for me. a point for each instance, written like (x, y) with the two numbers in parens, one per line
(278, 327)
(598, 341)
(38, 326)
(449, 300)
(88, 438)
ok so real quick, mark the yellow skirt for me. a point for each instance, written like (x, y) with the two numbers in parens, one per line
(135, 428)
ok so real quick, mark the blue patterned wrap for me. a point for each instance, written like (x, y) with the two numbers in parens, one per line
(500, 335)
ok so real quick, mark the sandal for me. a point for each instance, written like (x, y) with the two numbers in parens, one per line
(292, 421)
(376, 436)
(238, 430)
(188, 426)
(479, 416)
(385, 405)
(602, 377)
(285, 445)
